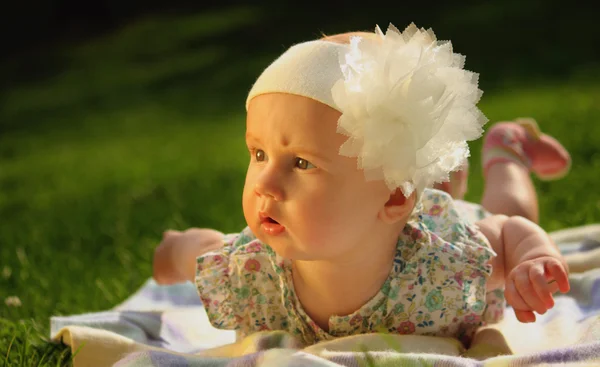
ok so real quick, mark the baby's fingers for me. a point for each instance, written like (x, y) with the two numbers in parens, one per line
(522, 309)
(525, 316)
(553, 286)
(541, 286)
(527, 291)
(514, 298)
(557, 272)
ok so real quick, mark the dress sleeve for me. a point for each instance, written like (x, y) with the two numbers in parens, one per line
(213, 281)
(454, 257)
(454, 232)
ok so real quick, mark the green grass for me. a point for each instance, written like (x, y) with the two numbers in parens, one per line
(133, 136)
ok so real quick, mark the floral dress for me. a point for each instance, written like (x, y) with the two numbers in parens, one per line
(437, 284)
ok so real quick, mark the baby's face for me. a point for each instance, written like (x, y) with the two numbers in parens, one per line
(301, 197)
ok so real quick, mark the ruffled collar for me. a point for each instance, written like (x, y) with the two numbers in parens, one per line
(364, 318)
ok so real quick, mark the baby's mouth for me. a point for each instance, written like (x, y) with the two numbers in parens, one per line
(270, 226)
(266, 219)
(270, 220)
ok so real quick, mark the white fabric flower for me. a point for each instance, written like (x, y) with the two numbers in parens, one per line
(408, 107)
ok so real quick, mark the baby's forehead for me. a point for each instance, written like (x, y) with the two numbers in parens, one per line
(289, 102)
(294, 120)
(289, 111)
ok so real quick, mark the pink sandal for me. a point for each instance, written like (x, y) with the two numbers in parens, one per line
(522, 142)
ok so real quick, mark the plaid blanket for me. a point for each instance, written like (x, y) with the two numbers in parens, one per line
(167, 326)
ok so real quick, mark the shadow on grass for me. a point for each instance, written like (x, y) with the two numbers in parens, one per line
(181, 63)
(204, 63)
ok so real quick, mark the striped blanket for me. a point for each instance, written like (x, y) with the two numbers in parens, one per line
(167, 326)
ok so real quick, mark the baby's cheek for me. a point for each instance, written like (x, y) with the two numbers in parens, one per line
(249, 209)
(322, 228)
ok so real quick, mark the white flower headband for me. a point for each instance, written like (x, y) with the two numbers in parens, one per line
(408, 107)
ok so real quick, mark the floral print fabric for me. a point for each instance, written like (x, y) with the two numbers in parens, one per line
(437, 285)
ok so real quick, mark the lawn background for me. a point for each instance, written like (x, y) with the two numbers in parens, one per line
(109, 136)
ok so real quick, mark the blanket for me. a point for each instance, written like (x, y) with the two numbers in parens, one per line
(168, 326)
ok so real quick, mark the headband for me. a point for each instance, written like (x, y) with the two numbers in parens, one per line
(308, 69)
(408, 107)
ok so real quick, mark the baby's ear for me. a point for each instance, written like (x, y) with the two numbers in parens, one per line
(398, 207)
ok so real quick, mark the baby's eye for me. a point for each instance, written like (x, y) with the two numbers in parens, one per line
(259, 155)
(303, 164)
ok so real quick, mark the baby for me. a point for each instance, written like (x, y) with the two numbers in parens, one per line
(345, 235)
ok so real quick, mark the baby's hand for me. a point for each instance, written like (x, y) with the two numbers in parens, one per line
(175, 258)
(530, 285)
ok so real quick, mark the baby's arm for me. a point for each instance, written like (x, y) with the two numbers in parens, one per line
(527, 264)
(175, 257)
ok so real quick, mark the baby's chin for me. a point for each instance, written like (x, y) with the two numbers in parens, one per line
(291, 252)
(285, 246)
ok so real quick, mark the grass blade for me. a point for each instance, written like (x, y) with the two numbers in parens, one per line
(9, 348)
